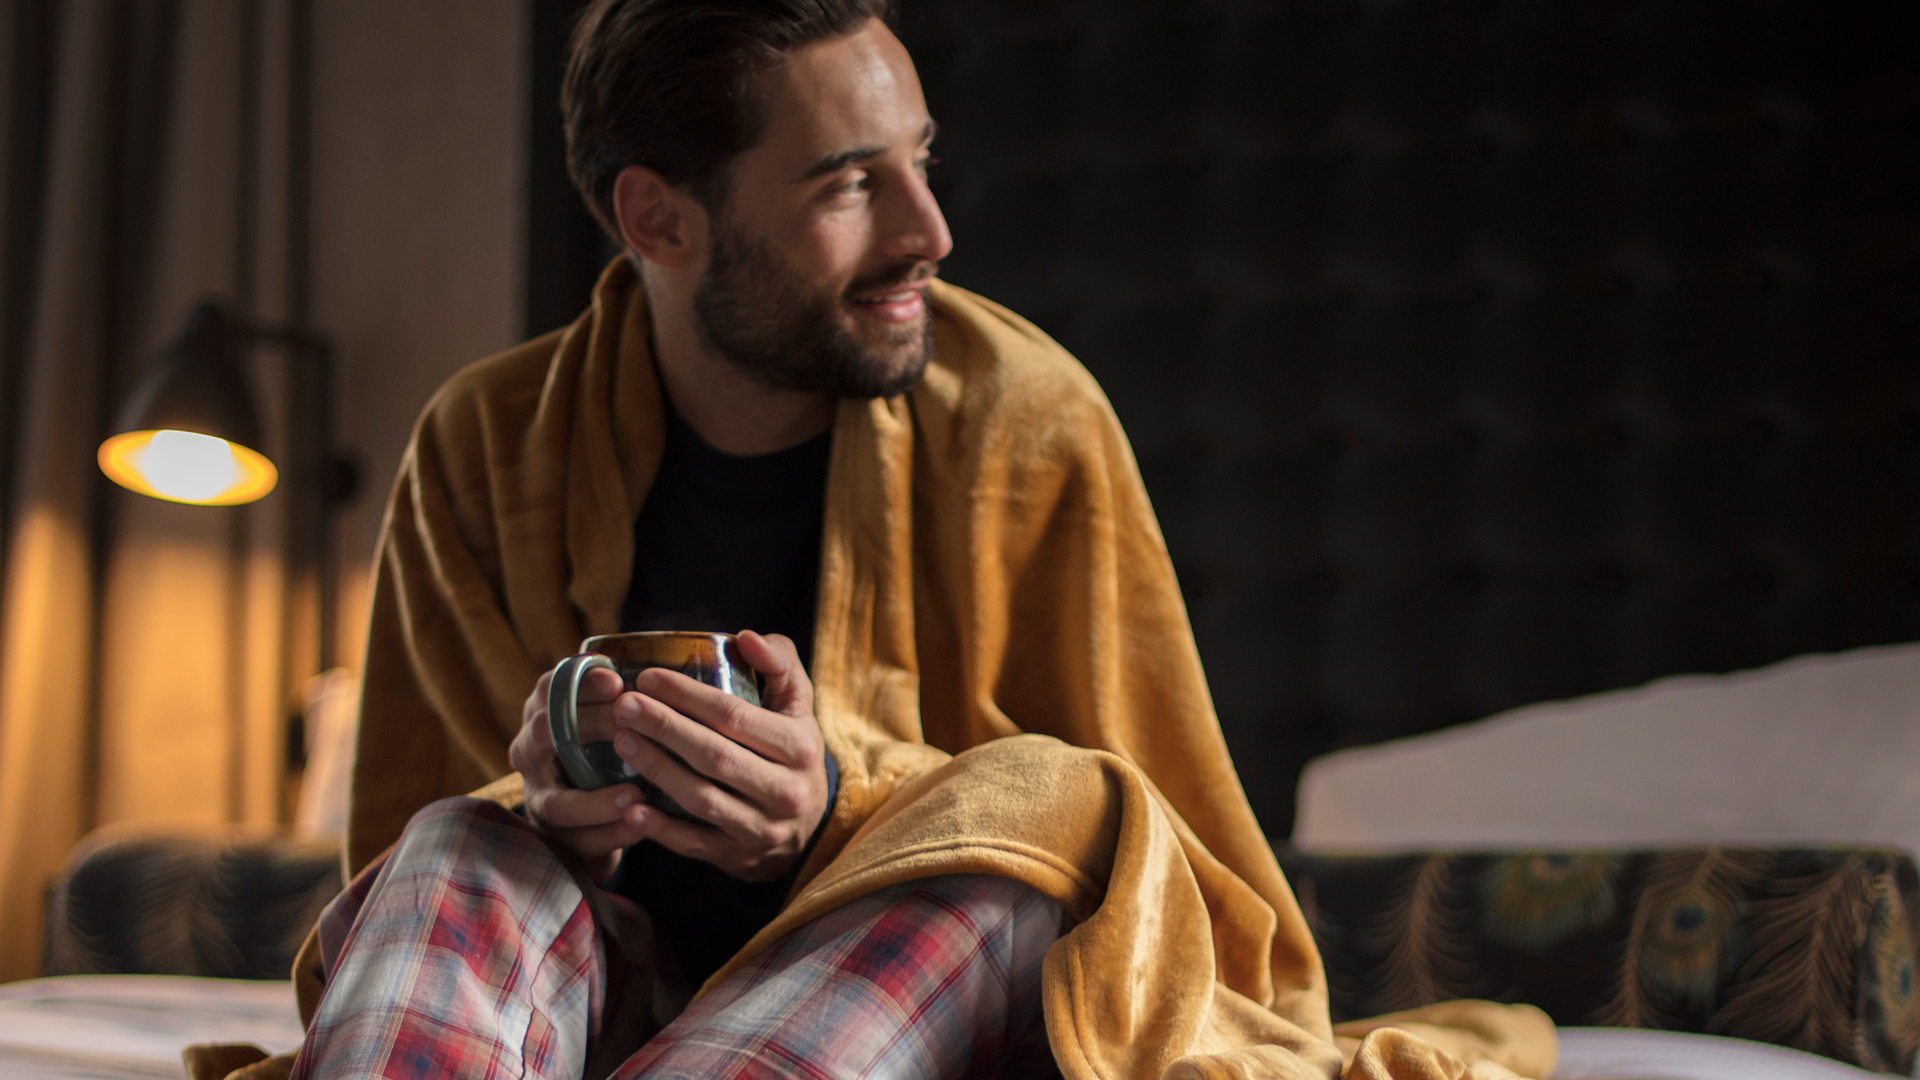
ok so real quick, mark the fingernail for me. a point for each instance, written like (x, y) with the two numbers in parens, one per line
(625, 798)
(626, 743)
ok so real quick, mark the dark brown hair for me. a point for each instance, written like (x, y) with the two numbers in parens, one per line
(668, 84)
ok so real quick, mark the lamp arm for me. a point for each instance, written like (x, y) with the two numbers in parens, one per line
(339, 476)
(331, 475)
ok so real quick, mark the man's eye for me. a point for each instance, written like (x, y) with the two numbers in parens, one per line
(926, 163)
(855, 186)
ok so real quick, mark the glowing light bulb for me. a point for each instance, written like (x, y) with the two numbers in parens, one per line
(188, 466)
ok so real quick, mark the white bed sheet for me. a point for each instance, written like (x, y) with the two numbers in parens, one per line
(132, 1027)
(1628, 1054)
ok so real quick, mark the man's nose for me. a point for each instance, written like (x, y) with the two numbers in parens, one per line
(912, 226)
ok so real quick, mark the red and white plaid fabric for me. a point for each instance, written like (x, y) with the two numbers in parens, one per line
(472, 951)
(935, 978)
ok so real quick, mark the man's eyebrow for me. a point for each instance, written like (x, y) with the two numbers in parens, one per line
(833, 163)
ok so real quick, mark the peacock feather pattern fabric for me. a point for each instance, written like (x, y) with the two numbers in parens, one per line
(1812, 949)
(1687, 934)
(1530, 902)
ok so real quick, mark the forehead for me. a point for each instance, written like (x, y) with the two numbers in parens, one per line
(842, 93)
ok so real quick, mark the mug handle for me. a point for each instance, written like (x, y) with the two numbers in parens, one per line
(563, 721)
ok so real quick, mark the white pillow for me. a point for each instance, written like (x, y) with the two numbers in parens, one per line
(1821, 749)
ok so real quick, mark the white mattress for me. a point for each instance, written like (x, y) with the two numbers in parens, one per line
(132, 1027)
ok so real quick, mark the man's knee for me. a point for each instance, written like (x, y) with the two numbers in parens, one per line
(919, 924)
(464, 814)
(991, 901)
(464, 830)
(467, 811)
(933, 977)
(473, 847)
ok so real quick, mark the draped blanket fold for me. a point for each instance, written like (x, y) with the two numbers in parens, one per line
(1003, 669)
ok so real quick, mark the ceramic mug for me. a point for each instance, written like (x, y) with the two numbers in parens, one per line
(713, 659)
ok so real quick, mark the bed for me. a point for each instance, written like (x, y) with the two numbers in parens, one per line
(1711, 854)
(132, 1027)
(1784, 783)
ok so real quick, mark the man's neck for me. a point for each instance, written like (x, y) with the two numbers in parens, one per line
(729, 409)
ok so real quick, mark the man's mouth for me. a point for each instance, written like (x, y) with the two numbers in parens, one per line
(903, 303)
(897, 294)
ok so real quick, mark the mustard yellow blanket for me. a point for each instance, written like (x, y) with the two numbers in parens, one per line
(1003, 669)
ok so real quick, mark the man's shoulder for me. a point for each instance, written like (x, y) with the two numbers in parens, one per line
(502, 389)
(991, 361)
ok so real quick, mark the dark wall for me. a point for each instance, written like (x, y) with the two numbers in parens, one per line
(566, 248)
(1475, 352)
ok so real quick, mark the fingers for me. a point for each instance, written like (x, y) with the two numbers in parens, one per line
(774, 656)
(713, 846)
(708, 726)
(598, 686)
(599, 689)
(594, 824)
(533, 746)
(599, 845)
(571, 808)
(593, 707)
(739, 811)
(754, 776)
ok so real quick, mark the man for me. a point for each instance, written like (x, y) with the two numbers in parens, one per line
(986, 823)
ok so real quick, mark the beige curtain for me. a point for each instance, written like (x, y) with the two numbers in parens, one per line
(145, 672)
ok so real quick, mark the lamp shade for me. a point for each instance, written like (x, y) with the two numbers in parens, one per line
(188, 431)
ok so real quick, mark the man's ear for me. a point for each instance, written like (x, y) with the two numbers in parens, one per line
(658, 220)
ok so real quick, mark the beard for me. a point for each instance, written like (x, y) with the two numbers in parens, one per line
(765, 319)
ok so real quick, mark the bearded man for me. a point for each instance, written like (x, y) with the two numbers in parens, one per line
(985, 824)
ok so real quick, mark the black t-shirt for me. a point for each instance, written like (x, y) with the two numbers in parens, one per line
(723, 543)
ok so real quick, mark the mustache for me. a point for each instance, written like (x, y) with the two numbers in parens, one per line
(911, 272)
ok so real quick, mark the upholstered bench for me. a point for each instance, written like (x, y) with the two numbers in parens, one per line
(215, 904)
(1808, 948)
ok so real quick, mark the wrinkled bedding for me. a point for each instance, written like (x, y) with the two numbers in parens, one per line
(1627, 1054)
(131, 1027)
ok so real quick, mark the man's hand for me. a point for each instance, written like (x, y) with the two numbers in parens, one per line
(590, 823)
(758, 775)
(772, 758)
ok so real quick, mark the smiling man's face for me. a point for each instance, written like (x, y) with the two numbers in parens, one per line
(816, 271)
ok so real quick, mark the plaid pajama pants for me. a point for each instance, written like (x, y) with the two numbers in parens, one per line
(473, 950)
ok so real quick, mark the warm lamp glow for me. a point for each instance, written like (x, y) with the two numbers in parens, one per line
(187, 467)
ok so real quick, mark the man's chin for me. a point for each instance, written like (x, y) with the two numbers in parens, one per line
(894, 355)
(884, 379)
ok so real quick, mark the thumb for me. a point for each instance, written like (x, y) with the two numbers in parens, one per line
(774, 656)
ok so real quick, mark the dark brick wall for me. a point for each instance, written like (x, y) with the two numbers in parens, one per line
(1476, 352)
